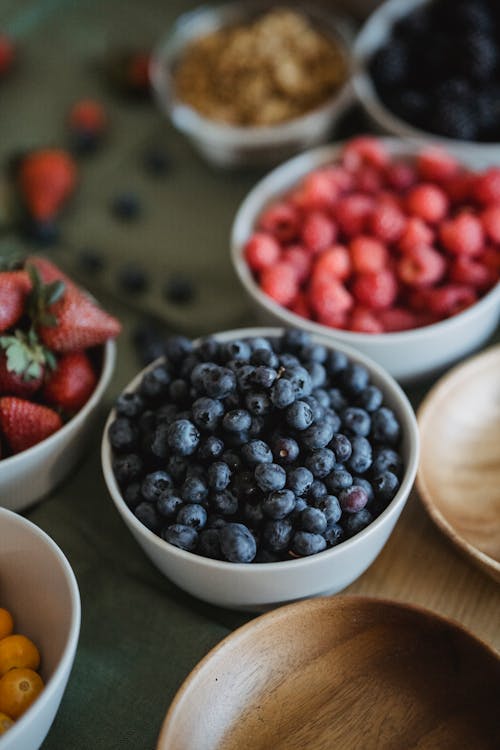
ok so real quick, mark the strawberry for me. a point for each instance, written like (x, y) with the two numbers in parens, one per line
(24, 424)
(46, 178)
(48, 271)
(7, 54)
(23, 363)
(14, 288)
(71, 384)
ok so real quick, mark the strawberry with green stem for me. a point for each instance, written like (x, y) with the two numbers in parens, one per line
(23, 364)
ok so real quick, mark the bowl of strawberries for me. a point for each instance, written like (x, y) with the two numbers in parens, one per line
(390, 246)
(57, 356)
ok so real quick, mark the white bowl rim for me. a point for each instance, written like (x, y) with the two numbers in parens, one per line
(367, 95)
(399, 500)
(191, 121)
(64, 664)
(298, 167)
(108, 363)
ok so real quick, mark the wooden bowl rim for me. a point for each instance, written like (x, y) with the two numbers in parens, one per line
(323, 602)
(457, 373)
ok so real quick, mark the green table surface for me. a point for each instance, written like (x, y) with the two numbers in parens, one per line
(140, 635)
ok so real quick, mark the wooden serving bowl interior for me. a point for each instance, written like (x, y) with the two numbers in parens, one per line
(340, 672)
(459, 474)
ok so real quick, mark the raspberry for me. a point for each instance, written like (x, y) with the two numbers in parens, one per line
(422, 266)
(363, 320)
(364, 150)
(416, 233)
(318, 231)
(436, 165)
(298, 257)
(319, 190)
(459, 187)
(463, 234)
(368, 255)
(450, 299)
(280, 283)
(329, 299)
(397, 319)
(280, 220)
(261, 251)
(490, 219)
(334, 262)
(300, 306)
(376, 290)
(465, 270)
(491, 259)
(400, 175)
(352, 213)
(486, 187)
(387, 222)
(368, 180)
(428, 202)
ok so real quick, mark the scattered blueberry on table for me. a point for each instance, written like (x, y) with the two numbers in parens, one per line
(255, 450)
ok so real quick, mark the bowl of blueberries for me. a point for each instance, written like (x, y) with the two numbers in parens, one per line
(432, 68)
(261, 466)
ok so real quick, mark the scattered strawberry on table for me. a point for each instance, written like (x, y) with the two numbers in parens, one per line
(49, 329)
(87, 123)
(375, 243)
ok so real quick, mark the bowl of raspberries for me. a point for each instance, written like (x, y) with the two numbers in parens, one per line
(260, 466)
(57, 356)
(389, 246)
(431, 68)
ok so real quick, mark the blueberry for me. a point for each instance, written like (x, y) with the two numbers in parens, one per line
(208, 349)
(156, 162)
(129, 405)
(193, 515)
(237, 420)
(147, 515)
(299, 480)
(177, 348)
(258, 403)
(132, 494)
(185, 370)
(232, 460)
(300, 380)
(313, 353)
(337, 400)
(178, 392)
(285, 450)
(90, 261)
(299, 415)
(210, 447)
(356, 421)
(385, 486)
(361, 457)
(127, 467)
(277, 533)
(371, 398)
(295, 339)
(385, 426)
(215, 522)
(316, 491)
(181, 536)
(258, 426)
(209, 544)
(331, 509)
(322, 397)
(224, 503)
(318, 411)
(123, 435)
(336, 362)
(169, 504)
(126, 206)
(154, 384)
(207, 413)
(317, 435)
(264, 377)
(353, 499)
(338, 480)
(194, 490)
(334, 534)
(253, 514)
(219, 476)
(259, 343)
(354, 378)
(341, 446)
(304, 543)
(282, 393)
(177, 467)
(218, 382)
(317, 373)
(158, 445)
(386, 459)
(154, 484)
(256, 452)
(332, 419)
(320, 462)
(356, 522)
(237, 543)
(183, 437)
(366, 485)
(236, 349)
(313, 520)
(132, 279)
(270, 477)
(279, 504)
(266, 358)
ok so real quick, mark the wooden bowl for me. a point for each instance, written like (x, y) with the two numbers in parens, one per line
(340, 672)
(459, 475)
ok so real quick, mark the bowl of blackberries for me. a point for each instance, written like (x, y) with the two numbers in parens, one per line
(433, 67)
(260, 466)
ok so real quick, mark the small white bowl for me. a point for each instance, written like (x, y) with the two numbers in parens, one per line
(231, 146)
(39, 588)
(266, 585)
(30, 475)
(373, 34)
(407, 355)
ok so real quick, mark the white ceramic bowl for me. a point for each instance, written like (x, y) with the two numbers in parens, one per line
(374, 33)
(261, 586)
(39, 588)
(407, 355)
(28, 476)
(231, 146)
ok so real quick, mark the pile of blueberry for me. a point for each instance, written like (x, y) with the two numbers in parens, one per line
(440, 69)
(255, 450)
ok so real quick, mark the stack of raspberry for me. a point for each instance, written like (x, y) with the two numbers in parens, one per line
(377, 244)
